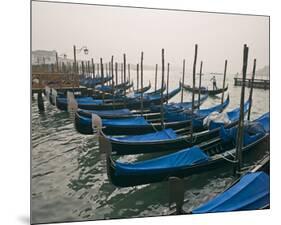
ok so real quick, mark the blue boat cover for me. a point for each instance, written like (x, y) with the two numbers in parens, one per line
(159, 135)
(250, 193)
(199, 115)
(81, 100)
(217, 108)
(125, 122)
(104, 88)
(184, 105)
(233, 116)
(251, 132)
(184, 158)
(114, 112)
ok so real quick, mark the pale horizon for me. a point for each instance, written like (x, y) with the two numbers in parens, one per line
(108, 31)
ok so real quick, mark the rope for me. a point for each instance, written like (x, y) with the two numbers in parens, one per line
(229, 160)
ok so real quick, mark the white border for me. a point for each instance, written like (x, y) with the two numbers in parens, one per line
(15, 140)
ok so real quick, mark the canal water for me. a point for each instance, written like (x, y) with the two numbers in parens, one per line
(69, 181)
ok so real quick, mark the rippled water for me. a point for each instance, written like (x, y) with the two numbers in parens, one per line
(69, 181)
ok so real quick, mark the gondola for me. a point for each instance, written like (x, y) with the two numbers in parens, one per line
(119, 87)
(250, 192)
(152, 112)
(139, 125)
(151, 93)
(92, 82)
(194, 160)
(164, 140)
(130, 103)
(204, 90)
(142, 90)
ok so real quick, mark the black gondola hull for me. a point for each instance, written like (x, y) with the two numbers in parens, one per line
(140, 179)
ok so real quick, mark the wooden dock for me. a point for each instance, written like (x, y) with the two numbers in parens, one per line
(258, 83)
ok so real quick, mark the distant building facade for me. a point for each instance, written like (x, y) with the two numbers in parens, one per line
(47, 57)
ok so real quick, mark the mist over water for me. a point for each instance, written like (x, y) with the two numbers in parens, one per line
(69, 181)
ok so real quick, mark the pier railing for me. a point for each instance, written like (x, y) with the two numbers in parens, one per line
(258, 83)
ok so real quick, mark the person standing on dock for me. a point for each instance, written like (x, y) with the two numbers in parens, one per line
(214, 83)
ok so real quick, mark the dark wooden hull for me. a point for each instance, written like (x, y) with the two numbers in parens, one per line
(140, 179)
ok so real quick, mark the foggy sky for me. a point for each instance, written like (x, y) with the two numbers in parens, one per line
(108, 31)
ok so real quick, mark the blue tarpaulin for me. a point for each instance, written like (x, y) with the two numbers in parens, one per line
(125, 121)
(198, 117)
(159, 135)
(114, 112)
(217, 108)
(81, 100)
(250, 193)
(252, 131)
(174, 161)
(232, 115)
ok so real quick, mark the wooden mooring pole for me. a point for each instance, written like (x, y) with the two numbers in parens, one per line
(98, 70)
(239, 137)
(183, 73)
(200, 77)
(40, 101)
(102, 76)
(93, 69)
(137, 76)
(116, 73)
(251, 90)
(193, 87)
(168, 71)
(129, 73)
(223, 84)
(155, 83)
(112, 72)
(122, 75)
(162, 88)
(57, 62)
(125, 68)
(141, 83)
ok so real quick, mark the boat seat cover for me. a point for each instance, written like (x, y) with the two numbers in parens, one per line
(125, 121)
(250, 193)
(167, 163)
(166, 134)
